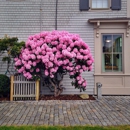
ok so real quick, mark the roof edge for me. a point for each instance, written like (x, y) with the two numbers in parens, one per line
(107, 20)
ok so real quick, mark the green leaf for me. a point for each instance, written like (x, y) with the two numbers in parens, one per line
(6, 58)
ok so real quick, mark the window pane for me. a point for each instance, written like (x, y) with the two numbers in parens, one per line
(117, 43)
(117, 62)
(94, 3)
(107, 62)
(99, 4)
(107, 43)
(105, 3)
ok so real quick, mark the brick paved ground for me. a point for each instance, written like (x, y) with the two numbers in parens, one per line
(111, 110)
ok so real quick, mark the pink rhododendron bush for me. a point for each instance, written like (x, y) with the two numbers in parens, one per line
(51, 55)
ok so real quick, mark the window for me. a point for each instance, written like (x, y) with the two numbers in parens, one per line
(111, 53)
(86, 5)
(100, 4)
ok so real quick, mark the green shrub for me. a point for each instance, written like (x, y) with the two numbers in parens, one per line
(4, 85)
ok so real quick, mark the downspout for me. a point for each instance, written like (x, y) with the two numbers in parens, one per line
(56, 15)
(40, 15)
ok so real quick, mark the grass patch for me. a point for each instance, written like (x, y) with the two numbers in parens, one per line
(64, 128)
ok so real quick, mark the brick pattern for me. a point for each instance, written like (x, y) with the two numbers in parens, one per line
(25, 17)
(110, 110)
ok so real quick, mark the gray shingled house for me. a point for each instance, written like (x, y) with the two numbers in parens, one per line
(103, 24)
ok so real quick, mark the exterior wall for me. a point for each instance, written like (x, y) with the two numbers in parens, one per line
(113, 83)
(22, 18)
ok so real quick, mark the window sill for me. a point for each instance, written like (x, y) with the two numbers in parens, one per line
(99, 10)
(111, 74)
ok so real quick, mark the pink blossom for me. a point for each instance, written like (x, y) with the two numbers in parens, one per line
(37, 36)
(15, 59)
(85, 45)
(55, 61)
(80, 82)
(28, 66)
(29, 76)
(43, 52)
(89, 62)
(52, 76)
(34, 63)
(48, 40)
(86, 51)
(24, 74)
(81, 70)
(49, 49)
(45, 60)
(37, 69)
(92, 59)
(90, 68)
(75, 50)
(39, 49)
(46, 73)
(50, 64)
(73, 54)
(70, 64)
(78, 77)
(84, 84)
(85, 57)
(30, 62)
(78, 66)
(81, 50)
(54, 49)
(23, 62)
(18, 63)
(20, 70)
(60, 63)
(69, 49)
(56, 42)
(67, 60)
(33, 56)
(51, 58)
(72, 45)
(64, 47)
(33, 46)
(80, 57)
(71, 73)
(37, 61)
(53, 70)
(36, 52)
(25, 57)
(39, 43)
(43, 47)
(30, 37)
(84, 67)
(39, 57)
(64, 67)
(59, 46)
(68, 68)
(71, 68)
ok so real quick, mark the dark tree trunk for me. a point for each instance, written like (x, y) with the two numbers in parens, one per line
(55, 84)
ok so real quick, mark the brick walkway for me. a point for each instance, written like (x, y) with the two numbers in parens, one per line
(111, 110)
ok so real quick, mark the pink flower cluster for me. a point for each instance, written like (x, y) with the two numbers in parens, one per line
(51, 50)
